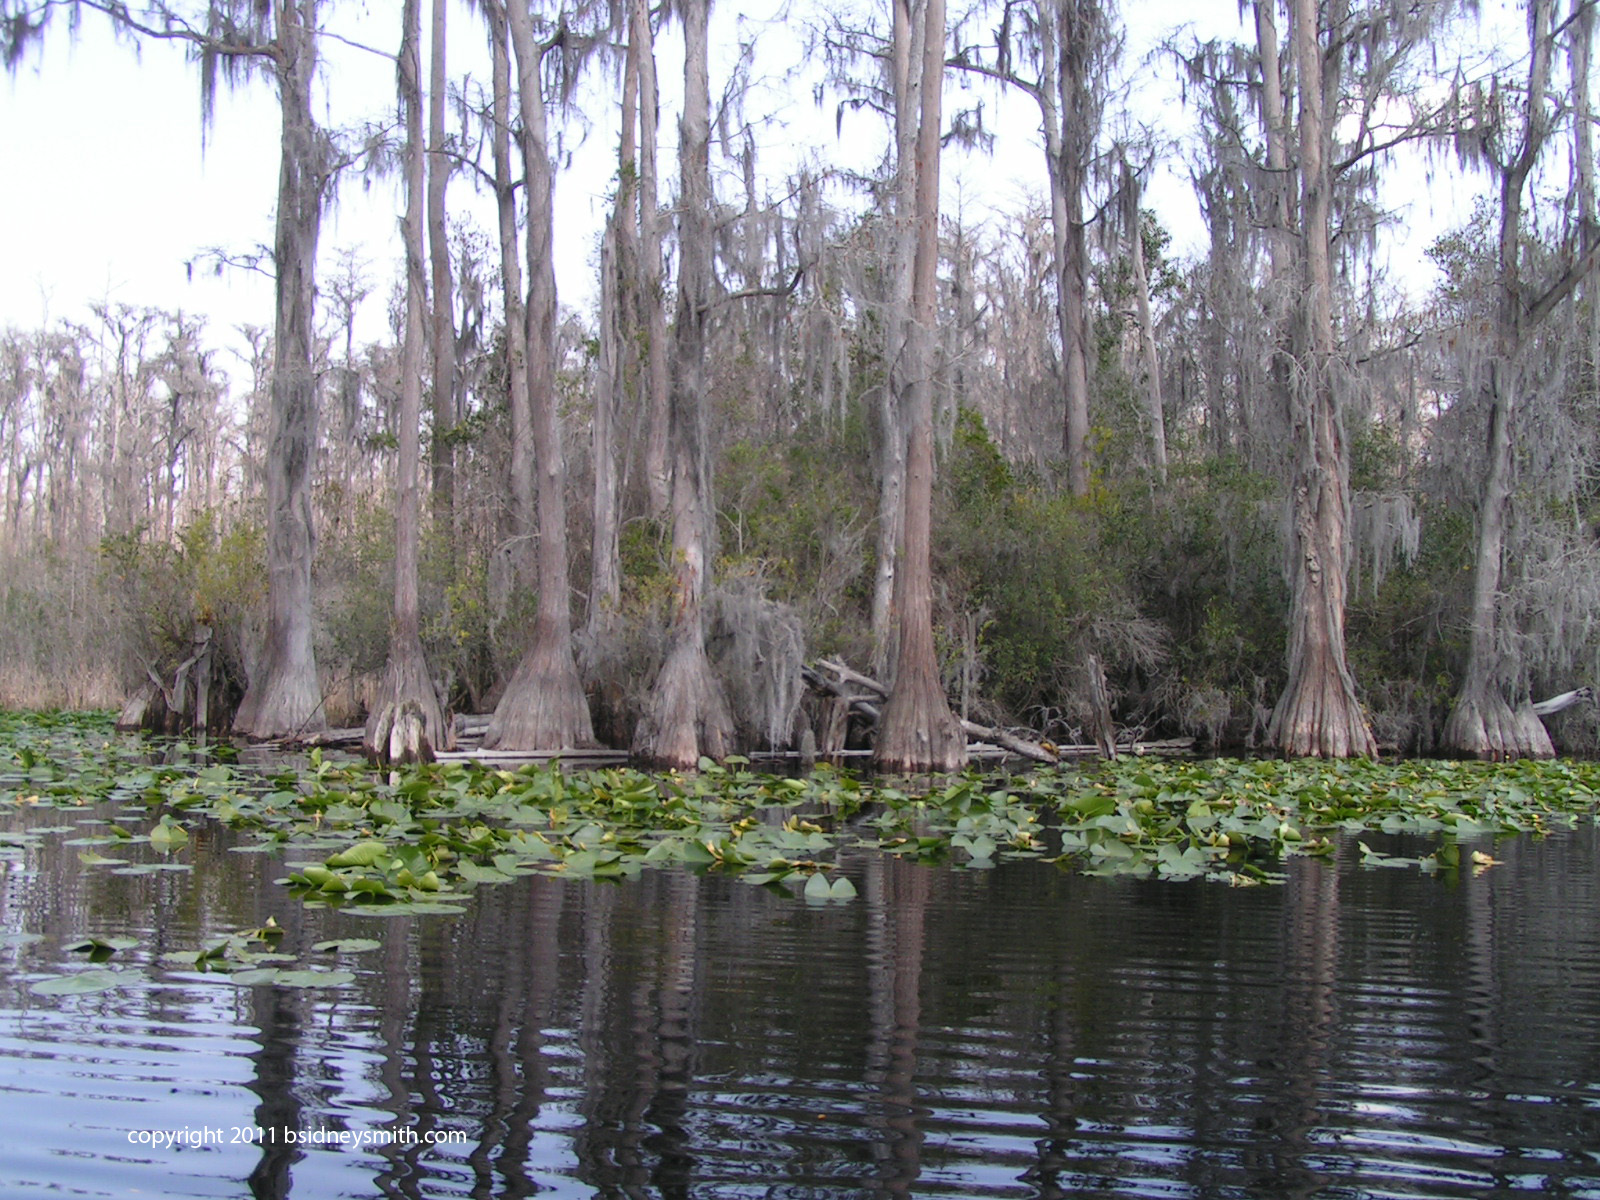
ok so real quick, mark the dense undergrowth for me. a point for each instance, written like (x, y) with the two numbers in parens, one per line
(1179, 596)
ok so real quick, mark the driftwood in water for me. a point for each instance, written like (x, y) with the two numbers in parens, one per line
(347, 738)
(869, 708)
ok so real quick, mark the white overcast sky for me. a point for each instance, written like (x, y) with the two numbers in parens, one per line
(109, 191)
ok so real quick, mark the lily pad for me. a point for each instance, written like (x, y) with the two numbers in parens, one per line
(818, 888)
(107, 945)
(80, 983)
(168, 835)
(90, 858)
(405, 908)
(347, 946)
(255, 975)
(314, 979)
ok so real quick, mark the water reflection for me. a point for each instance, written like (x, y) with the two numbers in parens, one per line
(1015, 1032)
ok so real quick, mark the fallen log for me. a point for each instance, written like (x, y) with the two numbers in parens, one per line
(1548, 708)
(340, 739)
(1037, 751)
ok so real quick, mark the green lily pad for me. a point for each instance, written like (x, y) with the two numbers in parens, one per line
(168, 835)
(347, 946)
(90, 858)
(253, 976)
(474, 873)
(405, 908)
(818, 888)
(314, 979)
(80, 983)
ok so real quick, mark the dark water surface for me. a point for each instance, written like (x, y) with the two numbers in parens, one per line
(1012, 1032)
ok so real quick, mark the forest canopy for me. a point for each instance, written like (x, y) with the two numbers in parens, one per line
(1038, 467)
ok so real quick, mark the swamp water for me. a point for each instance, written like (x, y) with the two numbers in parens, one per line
(1016, 1031)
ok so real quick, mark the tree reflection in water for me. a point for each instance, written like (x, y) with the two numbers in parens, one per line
(1017, 1031)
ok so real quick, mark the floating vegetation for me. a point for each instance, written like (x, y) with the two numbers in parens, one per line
(421, 841)
(81, 983)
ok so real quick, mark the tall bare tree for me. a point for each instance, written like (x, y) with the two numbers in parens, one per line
(1059, 53)
(1511, 128)
(407, 722)
(687, 716)
(442, 449)
(1319, 712)
(1132, 225)
(918, 732)
(648, 293)
(543, 707)
(284, 697)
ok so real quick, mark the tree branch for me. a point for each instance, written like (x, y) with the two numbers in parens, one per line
(181, 31)
(355, 45)
(1561, 288)
(746, 293)
(960, 62)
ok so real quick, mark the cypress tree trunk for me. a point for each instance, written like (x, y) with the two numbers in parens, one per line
(442, 451)
(1483, 723)
(544, 707)
(1154, 408)
(905, 55)
(523, 521)
(284, 699)
(687, 716)
(618, 267)
(1069, 31)
(918, 732)
(407, 722)
(650, 291)
(1318, 714)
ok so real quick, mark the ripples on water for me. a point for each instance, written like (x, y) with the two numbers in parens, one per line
(1015, 1032)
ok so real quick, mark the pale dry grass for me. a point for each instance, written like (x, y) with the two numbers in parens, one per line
(77, 689)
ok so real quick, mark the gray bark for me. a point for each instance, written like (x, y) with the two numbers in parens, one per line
(442, 450)
(1485, 722)
(1071, 30)
(544, 707)
(523, 520)
(1319, 713)
(1155, 411)
(407, 722)
(918, 731)
(605, 567)
(687, 716)
(650, 294)
(905, 50)
(284, 699)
